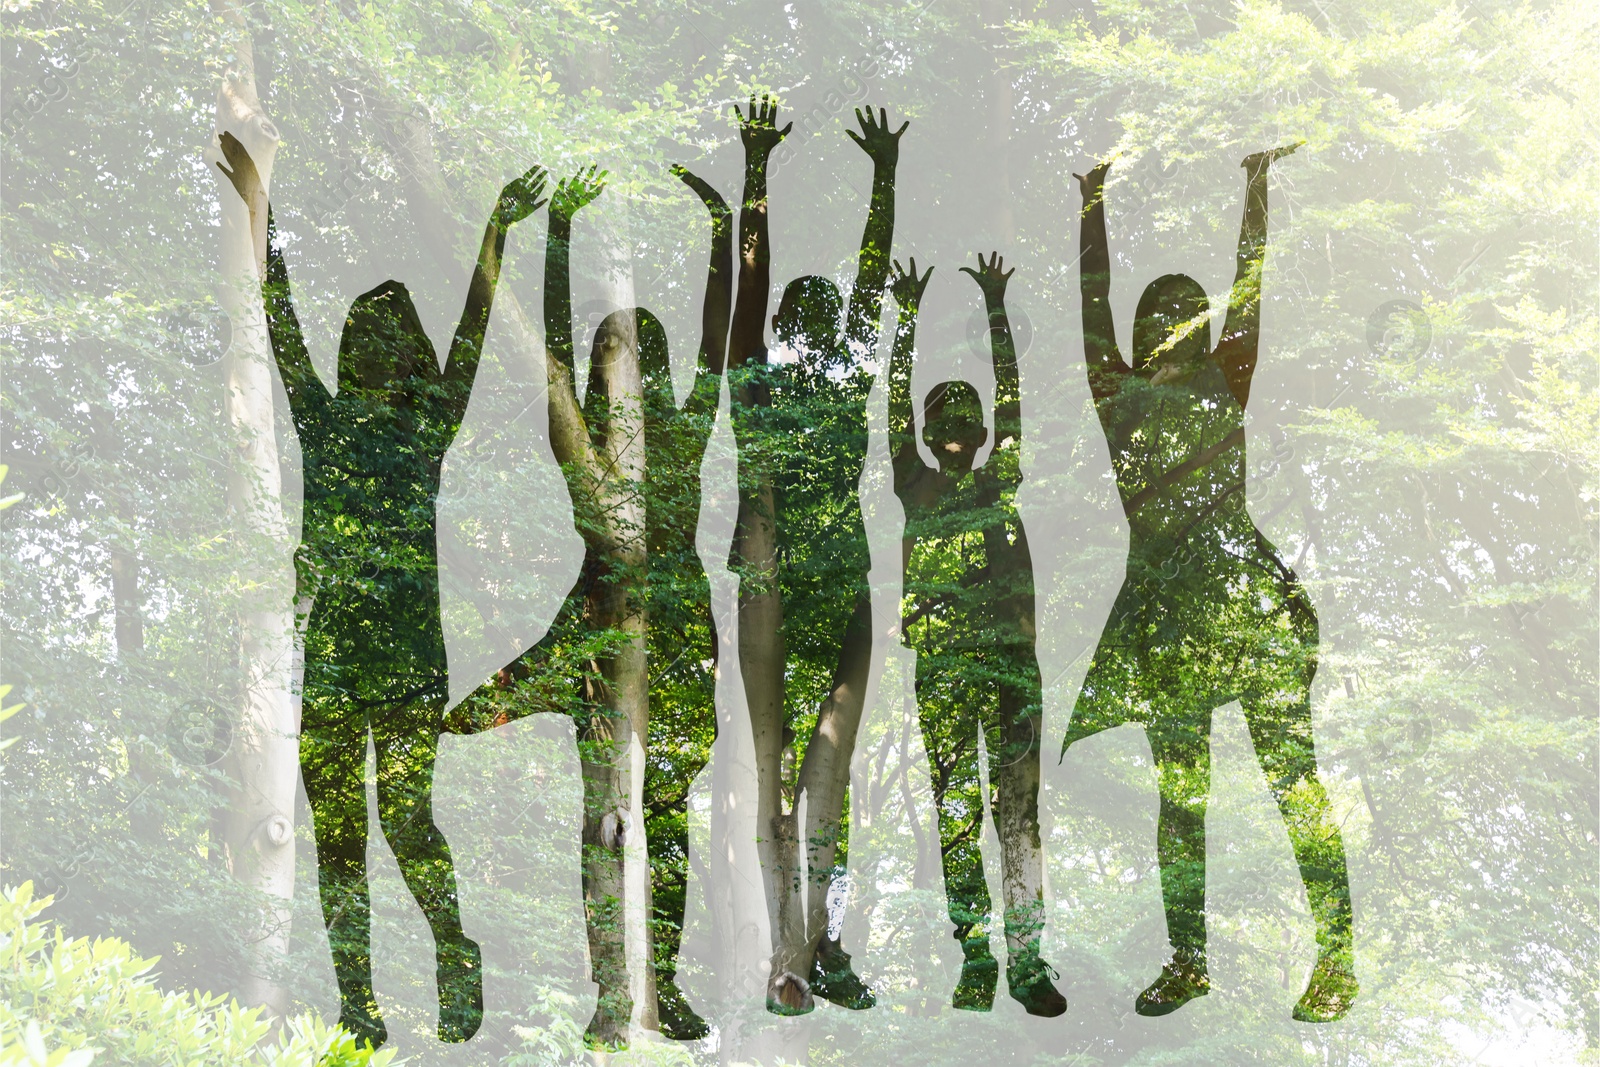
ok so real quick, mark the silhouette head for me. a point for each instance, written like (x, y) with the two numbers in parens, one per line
(952, 426)
(619, 333)
(625, 330)
(808, 318)
(383, 343)
(1172, 326)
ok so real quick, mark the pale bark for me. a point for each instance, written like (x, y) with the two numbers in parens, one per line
(616, 864)
(825, 772)
(623, 379)
(263, 764)
(797, 846)
(617, 870)
(762, 658)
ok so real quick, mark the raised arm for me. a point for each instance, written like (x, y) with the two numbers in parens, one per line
(908, 462)
(991, 278)
(1241, 334)
(717, 306)
(517, 201)
(1105, 363)
(305, 390)
(569, 438)
(872, 263)
(759, 131)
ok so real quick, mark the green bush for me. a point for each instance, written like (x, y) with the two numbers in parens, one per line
(72, 1002)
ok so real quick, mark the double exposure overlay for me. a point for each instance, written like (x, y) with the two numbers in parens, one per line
(910, 533)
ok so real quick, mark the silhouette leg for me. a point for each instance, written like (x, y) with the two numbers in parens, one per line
(682, 652)
(1182, 752)
(667, 839)
(407, 743)
(1014, 778)
(949, 738)
(967, 894)
(333, 757)
(833, 976)
(1282, 739)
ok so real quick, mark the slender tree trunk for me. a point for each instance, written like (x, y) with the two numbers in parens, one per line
(761, 662)
(258, 826)
(616, 861)
(798, 870)
(616, 882)
(125, 594)
(1017, 783)
(632, 680)
(825, 773)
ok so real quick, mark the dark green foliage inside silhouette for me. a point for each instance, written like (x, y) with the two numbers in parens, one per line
(1209, 612)
(562, 672)
(968, 612)
(368, 570)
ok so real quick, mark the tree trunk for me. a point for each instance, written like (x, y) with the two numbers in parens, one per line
(825, 773)
(632, 682)
(797, 876)
(258, 825)
(616, 882)
(761, 662)
(616, 861)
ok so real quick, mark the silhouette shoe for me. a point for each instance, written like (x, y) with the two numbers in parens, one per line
(678, 1021)
(1331, 991)
(460, 979)
(1182, 979)
(979, 974)
(834, 980)
(1031, 985)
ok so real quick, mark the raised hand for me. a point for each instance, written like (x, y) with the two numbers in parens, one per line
(240, 168)
(573, 193)
(520, 198)
(1257, 162)
(1092, 183)
(991, 277)
(702, 188)
(907, 287)
(875, 139)
(758, 128)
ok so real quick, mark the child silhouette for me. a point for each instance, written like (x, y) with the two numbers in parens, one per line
(968, 613)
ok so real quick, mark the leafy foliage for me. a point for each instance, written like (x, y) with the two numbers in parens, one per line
(72, 1002)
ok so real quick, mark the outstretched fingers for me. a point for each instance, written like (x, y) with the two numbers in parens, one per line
(990, 274)
(762, 112)
(578, 190)
(758, 126)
